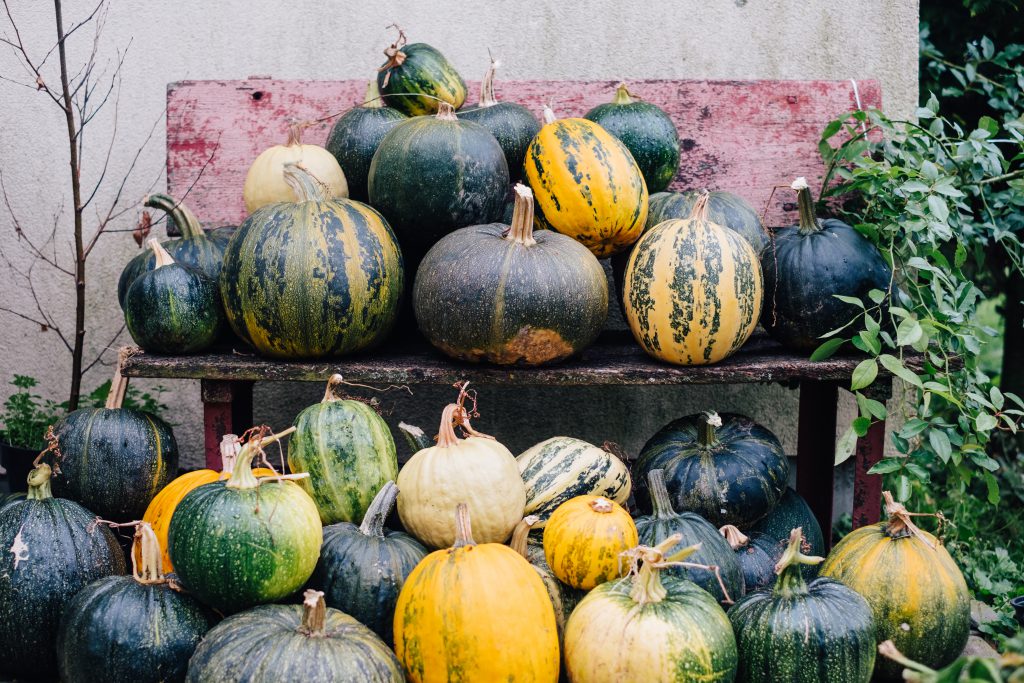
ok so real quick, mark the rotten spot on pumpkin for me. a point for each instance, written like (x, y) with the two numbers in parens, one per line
(530, 346)
(19, 549)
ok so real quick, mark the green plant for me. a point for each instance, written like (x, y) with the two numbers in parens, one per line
(25, 416)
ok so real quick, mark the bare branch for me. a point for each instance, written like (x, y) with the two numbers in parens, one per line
(103, 350)
(23, 236)
(110, 149)
(74, 28)
(19, 46)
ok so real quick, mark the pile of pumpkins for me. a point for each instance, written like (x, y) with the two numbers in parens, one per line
(520, 568)
(493, 224)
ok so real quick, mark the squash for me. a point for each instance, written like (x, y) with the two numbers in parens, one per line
(173, 308)
(309, 642)
(726, 468)
(724, 208)
(564, 598)
(475, 613)
(801, 632)
(692, 290)
(726, 580)
(241, 542)
(362, 568)
(266, 181)
(647, 132)
(347, 449)
(511, 124)
(756, 554)
(416, 79)
(583, 539)
(8, 498)
(649, 627)
(52, 548)
(530, 298)
(477, 471)
(916, 592)
(434, 174)
(135, 629)
(793, 511)
(355, 137)
(807, 266)
(586, 185)
(562, 468)
(314, 277)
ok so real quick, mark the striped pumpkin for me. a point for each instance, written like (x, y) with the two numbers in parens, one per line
(724, 208)
(583, 540)
(416, 78)
(692, 290)
(312, 278)
(586, 185)
(564, 598)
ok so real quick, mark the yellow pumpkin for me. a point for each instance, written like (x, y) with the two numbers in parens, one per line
(265, 183)
(583, 540)
(477, 471)
(586, 185)
(475, 613)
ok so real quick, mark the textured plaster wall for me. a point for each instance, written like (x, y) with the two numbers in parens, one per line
(198, 39)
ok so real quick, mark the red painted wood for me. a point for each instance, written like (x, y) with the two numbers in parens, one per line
(743, 136)
(867, 488)
(218, 408)
(816, 447)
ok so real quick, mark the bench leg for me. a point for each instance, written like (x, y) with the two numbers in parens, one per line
(816, 446)
(867, 488)
(227, 409)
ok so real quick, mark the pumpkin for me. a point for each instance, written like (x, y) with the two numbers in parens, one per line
(313, 277)
(52, 548)
(800, 632)
(563, 597)
(8, 498)
(756, 555)
(173, 308)
(475, 613)
(692, 290)
(308, 642)
(266, 181)
(362, 568)
(649, 627)
(724, 208)
(807, 266)
(135, 629)
(917, 594)
(586, 185)
(355, 137)
(726, 579)
(562, 468)
(726, 468)
(793, 511)
(477, 471)
(583, 539)
(241, 542)
(434, 174)
(647, 132)
(511, 124)
(416, 79)
(530, 298)
(347, 449)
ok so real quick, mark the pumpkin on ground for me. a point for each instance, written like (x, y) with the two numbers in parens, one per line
(52, 548)
(266, 181)
(790, 512)
(530, 298)
(564, 598)
(312, 277)
(309, 642)
(417, 79)
(362, 568)
(756, 554)
(475, 613)
(917, 594)
(583, 540)
(726, 468)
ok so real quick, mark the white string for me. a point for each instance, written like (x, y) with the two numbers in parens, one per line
(860, 107)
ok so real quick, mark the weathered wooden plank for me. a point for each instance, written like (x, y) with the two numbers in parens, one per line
(743, 136)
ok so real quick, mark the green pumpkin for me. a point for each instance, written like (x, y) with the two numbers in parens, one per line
(801, 632)
(790, 512)
(756, 554)
(417, 78)
(309, 642)
(242, 542)
(529, 298)
(8, 498)
(362, 568)
(52, 548)
(312, 278)
(647, 132)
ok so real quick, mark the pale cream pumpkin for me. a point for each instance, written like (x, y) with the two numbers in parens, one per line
(265, 183)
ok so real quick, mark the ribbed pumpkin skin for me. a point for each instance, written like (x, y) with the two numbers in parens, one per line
(264, 645)
(649, 135)
(174, 309)
(119, 630)
(205, 255)
(564, 597)
(724, 208)
(586, 185)
(425, 71)
(114, 460)
(312, 279)
(790, 512)
(757, 561)
(8, 498)
(354, 139)
(582, 546)
(906, 582)
(512, 125)
(265, 183)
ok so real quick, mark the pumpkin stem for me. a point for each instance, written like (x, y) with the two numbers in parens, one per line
(809, 223)
(163, 258)
(661, 502)
(521, 230)
(463, 531)
(314, 614)
(394, 54)
(229, 449)
(602, 505)
(39, 482)
(446, 112)
(706, 437)
(900, 524)
(118, 383)
(242, 476)
(294, 133)
(888, 649)
(306, 186)
(487, 98)
(734, 537)
(549, 115)
(415, 436)
(521, 534)
(146, 546)
(332, 383)
(372, 99)
(377, 513)
(791, 580)
(699, 212)
(644, 566)
(622, 95)
(446, 436)
(179, 213)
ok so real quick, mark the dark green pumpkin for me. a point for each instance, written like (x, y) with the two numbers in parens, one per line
(309, 643)
(417, 78)
(804, 269)
(728, 468)
(790, 512)
(52, 548)
(312, 278)
(528, 299)
(805, 633)
(362, 568)
(756, 554)
(647, 132)
(694, 529)
(8, 498)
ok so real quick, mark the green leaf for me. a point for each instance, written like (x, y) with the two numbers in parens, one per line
(896, 367)
(938, 207)
(831, 129)
(989, 125)
(864, 374)
(903, 488)
(876, 295)
(828, 349)
(861, 426)
(985, 422)
(997, 398)
(940, 444)
(960, 257)
(982, 460)
(886, 466)
(845, 446)
(913, 427)
(908, 332)
(930, 171)
(871, 342)
(849, 300)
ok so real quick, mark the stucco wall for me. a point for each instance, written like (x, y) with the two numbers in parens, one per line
(197, 39)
